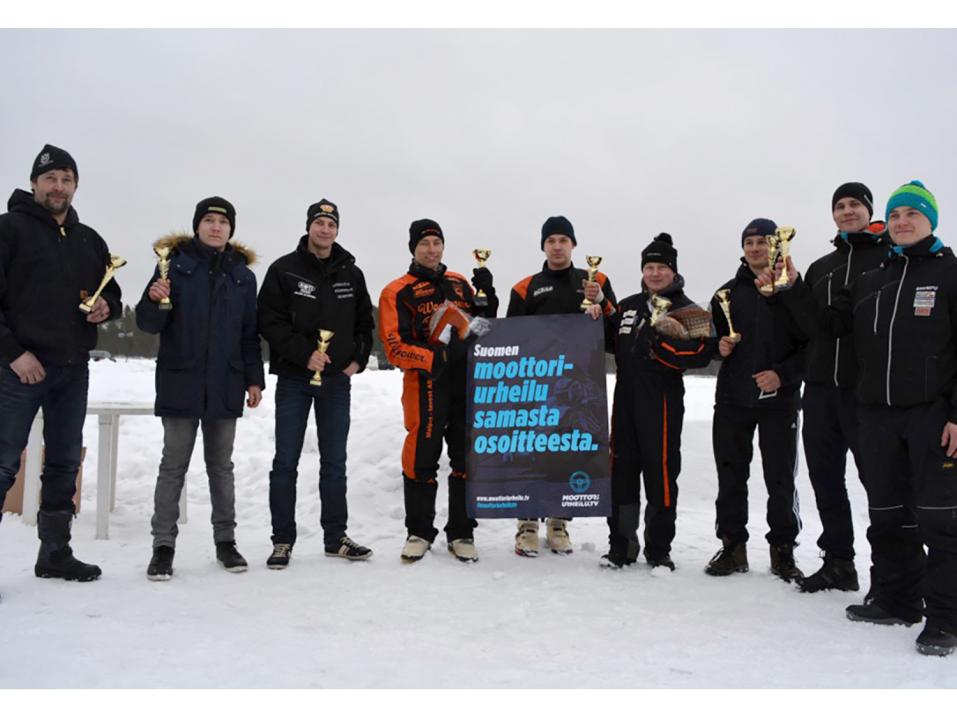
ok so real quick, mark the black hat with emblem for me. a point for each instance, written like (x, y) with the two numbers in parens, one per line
(215, 205)
(661, 250)
(53, 158)
(558, 225)
(322, 208)
(423, 228)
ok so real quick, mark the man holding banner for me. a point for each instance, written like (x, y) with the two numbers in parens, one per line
(423, 328)
(558, 289)
(652, 350)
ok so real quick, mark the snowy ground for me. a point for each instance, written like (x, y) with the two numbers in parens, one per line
(502, 623)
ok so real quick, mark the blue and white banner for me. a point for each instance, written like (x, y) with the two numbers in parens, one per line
(538, 419)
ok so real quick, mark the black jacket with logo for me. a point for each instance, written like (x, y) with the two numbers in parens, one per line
(831, 361)
(406, 306)
(556, 291)
(903, 316)
(302, 294)
(770, 339)
(641, 353)
(45, 271)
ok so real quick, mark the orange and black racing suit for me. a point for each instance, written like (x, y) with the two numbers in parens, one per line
(433, 391)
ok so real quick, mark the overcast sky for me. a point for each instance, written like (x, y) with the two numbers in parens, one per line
(626, 132)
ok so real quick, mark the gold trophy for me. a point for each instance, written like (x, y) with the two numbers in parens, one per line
(784, 236)
(773, 248)
(481, 256)
(659, 308)
(724, 300)
(593, 262)
(325, 338)
(86, 306)
(165, 304)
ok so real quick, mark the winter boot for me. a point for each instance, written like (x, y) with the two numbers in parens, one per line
(229, 557)
(623, 544)
(464, 550)
(934, 641)
(732, 558)
(161, 565)
(556, 535)
(279, 558)
(56, 559)
(870, 612)
(782, 563)
(659, 559)
(838, 573)
(415, 548)
(526, 540)
(349, 550)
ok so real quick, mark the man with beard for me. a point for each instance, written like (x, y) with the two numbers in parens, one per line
(49, 262)
(829, 404)
(649, 409)
(758, 388)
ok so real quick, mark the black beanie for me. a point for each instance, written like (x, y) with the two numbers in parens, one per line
(759, 227)
(662, 249)
(558, 225)
(215, 205)
(322, 208)
(423, 228)
(53, 158)
(858, 191)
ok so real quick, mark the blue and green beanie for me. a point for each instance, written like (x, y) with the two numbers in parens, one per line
(914, 194)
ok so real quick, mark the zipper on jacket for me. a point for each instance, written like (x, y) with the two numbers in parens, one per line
(890, 328)
(837, 344)
(877, 307)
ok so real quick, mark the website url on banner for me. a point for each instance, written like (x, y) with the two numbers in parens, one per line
(516, 497)
(497, 505)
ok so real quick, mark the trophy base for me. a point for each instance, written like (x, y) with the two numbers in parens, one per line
(165, 307)
(315, 381)
(587, 303)
(84, 308)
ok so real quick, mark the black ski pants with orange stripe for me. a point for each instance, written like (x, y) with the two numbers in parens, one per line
(645, 442)
(434, 411)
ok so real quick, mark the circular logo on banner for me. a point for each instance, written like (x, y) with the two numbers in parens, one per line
(580, 482)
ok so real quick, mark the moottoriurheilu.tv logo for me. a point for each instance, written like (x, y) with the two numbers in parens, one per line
(579, 482)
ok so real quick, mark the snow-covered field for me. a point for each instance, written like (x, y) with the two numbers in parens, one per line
(505, 622)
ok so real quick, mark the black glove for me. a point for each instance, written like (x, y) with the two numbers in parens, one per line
(482, 279)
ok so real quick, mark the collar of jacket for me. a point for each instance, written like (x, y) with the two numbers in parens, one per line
(745, 272)
(875, 234)
(929, 246)
(23, 202)
(557, 273)
(434, 275)
(676, 287)
(338, 256)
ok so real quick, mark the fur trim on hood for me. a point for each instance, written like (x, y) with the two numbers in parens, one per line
(174, 239)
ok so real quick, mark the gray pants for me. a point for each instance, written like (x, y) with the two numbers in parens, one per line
(178, 439)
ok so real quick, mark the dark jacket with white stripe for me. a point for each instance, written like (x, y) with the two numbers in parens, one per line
(831, 361)
(903, 316)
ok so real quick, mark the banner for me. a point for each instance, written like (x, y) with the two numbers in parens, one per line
(538, 419)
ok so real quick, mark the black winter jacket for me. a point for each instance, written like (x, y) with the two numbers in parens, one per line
(831, 361)
(302, 294)
(209, 349)
(45, 272)
(770, 339)
(642, 355)
(903, 316)
(556, 291)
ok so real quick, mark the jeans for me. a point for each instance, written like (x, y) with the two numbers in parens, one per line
(179, 436)
(62, 397)
(331, 401)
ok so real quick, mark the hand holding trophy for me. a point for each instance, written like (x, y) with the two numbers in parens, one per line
(86, 306)
(163, 262)
(593, 261)
(323, 342)
(481, 256)
(724, 301)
